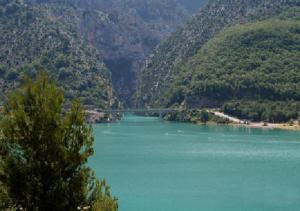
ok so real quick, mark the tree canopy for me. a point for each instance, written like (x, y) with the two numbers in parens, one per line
(44, 150)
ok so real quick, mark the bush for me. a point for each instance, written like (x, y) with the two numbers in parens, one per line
(204, 116)
(269, 111)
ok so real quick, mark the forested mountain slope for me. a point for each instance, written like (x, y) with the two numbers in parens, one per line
(252, 61)
(171, 56)
(33, 39)
(253, 65)
(124, 31)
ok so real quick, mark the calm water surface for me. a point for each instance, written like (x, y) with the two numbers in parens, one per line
(152, 165)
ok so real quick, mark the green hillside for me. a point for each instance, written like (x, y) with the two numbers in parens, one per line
(32, 39)
(256, 62)
(167, 61)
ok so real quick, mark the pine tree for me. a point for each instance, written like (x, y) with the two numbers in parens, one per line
(44, 150)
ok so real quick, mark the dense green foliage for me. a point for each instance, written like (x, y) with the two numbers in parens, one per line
(227, 53)
(194, 116)
(204, 116)
(254, 62)
(32, 37)
(44, 151)
(267, 111)
(185, 43)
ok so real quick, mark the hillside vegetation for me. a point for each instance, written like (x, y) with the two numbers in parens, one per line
(257, 62)
(252, 61)
(240, 56)
(32, 39)
(125, 32)
(185, 43)
(106, 40)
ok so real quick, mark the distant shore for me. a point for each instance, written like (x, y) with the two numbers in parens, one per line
(282, 126)
(264, 125)
(94, 116)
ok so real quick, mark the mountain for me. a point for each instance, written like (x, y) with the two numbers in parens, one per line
(33, 39)
(252, 65)
(252, 61)
(125, 32)
(237, 55)
(180, 52)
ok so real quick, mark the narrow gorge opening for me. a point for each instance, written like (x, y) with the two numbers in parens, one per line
(123, 79)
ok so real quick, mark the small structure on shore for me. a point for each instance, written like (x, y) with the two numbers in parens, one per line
(94, 116)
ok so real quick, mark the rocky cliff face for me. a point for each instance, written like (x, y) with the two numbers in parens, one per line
(125, 32)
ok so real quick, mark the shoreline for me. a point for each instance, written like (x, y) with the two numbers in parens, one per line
(258, 125)
(219, 118)
(97, 117)
(262, 125)
(281, 126)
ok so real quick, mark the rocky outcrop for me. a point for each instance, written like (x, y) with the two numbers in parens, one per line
(125, 32)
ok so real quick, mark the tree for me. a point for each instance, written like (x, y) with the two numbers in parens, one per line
(44, 151)
(204, 116)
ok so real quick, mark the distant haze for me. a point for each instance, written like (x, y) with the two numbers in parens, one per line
(192, 5)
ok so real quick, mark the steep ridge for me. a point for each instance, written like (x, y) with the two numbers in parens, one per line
(33, 39)
(124, 31)
(253, 61)
(251, 69)
(169, 58)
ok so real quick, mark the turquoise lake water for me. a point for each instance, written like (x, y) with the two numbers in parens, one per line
(152, 165)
